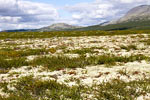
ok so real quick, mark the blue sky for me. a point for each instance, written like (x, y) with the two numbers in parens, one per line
(29, 14)
(62, 2)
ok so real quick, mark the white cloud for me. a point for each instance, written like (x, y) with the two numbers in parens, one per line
(8, 19)
(92, 13)
(26, 14)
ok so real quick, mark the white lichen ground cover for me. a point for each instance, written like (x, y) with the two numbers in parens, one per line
(90, 75)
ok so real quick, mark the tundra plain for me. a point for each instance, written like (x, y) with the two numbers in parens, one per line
(111, 65)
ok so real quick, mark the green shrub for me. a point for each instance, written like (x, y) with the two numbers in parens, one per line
(16, 62)
(60, 62)
(120, 90)
(29, 88)
(22, 53)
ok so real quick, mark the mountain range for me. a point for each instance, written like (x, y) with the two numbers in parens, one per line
(136, 18)
(53, 27)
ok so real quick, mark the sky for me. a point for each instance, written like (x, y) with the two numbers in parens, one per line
(32, 14)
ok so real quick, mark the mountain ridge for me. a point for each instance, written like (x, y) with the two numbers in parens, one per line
(59, 27)
(53, 27)
(139, 13)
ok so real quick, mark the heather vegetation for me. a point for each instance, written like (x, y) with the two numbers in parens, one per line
(74, 65)
(21, 53)
(61, 62)
(29, 88)
(21, 35)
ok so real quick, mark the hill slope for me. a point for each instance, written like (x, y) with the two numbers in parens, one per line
(53, 27)
(59, 27)
(137, 14)
(132, 25)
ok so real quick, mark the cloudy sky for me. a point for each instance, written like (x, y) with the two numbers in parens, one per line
(27, 14)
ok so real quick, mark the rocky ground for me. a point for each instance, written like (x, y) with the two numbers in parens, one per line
(91, 68)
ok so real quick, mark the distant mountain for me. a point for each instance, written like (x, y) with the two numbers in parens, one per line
(19, 30)
(59, 27)
(53, 27)
(139, 13)
(136, 18)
